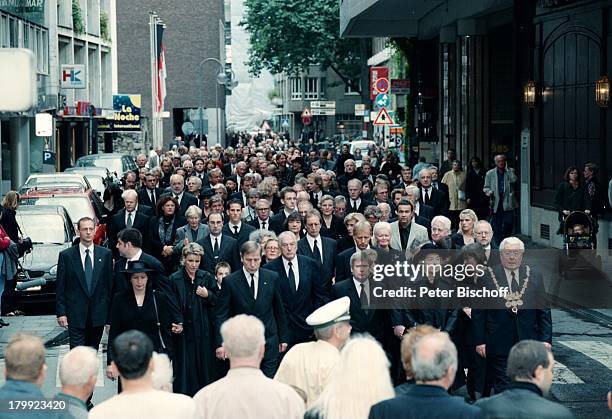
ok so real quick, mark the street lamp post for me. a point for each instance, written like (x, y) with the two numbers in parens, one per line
(226, 79)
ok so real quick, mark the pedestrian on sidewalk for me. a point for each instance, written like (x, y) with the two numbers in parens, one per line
(499, 185)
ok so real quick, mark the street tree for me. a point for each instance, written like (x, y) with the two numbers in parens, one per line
(291, 35)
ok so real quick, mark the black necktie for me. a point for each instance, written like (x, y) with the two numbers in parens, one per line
(129, 221)
(253, 285)
(363, 296)
(426, 200)
(235, 231)
(263, 225)
(514, 283)
(315, 251)
(88, 268)
(152, 196)
(216, 248)
(292, 285)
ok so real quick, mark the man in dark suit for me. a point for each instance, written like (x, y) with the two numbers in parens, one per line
(254, 291)
(235, 228)
(217, 246)
(131, 216)
(321, 249)
(289, 200)
(84, 286)
(355, 202)
(435, 182)
(177, 190)
(432, 196)
(262, 221)
(497, 330)
(362, 234)
(301, 287)
(530, 366)
(484, 235)
(150, 194)
(359, 288)
(434, 364)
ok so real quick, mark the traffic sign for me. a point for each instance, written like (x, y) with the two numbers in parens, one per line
(400, 86)
(306, 113)
(360, 109)
(323, 104)
(383, 118)
(323, 112)
(44, 125)
(382, 101)
(382, 85)
(306, 120)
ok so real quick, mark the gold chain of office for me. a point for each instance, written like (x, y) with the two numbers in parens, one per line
(513, 299)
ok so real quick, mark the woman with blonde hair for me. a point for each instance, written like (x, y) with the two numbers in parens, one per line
(465, 235)
(355, 387)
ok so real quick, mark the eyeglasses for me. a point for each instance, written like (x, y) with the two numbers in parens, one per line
(514, 253)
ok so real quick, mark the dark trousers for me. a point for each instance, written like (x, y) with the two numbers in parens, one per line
(270, 361)
(502, 223)
(87, 336)
(496, 372)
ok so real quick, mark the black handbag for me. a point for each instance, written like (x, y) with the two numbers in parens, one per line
(164, 349)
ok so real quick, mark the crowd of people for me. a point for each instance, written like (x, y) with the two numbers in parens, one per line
(250, 268)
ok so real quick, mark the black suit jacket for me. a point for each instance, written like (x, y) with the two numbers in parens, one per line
(327, 267)
(336, 230)
(277, 221)
(144, 199)
(140, 222)
(343, 263)
(424, 402)
(154, 244)
(228, 252)
(238, 196)
(438, 200)
(255, 224)
(243, 233)
(73, 298)
(500, 328)
(360, 209)
(186, 201)
(235, 298)
(301, 303)
(426, 211)
(362, 321)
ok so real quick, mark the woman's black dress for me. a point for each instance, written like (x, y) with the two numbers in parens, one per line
(194, 354)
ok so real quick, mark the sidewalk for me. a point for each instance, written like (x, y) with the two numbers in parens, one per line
(43, 326)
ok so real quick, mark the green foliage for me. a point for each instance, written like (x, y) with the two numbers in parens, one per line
(290, 35)
(104, 29)
(78, 26)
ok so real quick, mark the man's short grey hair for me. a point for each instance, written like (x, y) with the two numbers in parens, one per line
(414, 190)
(285, 235)
(24, 357)
(253, 193)
(258, 235)
(369, 255)
(482, 223)
(381, 226)
(443, 221)
(193, 249)
(356, 182)
(424, 170)
(349, 161)
(339, 200)
(162, 372)
(193, 210)
(176, 177)
(197, 180)
(512, 241)
(325, 333)
(243, 336)
(432, 356)
(249, 247)
(372, 210)
(129, 193)
(78, 366)
(384, 205)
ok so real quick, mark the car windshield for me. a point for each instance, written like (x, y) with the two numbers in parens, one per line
(42, 228)
(96, 182)
(53, 180)
(112, 164)
(76, 206)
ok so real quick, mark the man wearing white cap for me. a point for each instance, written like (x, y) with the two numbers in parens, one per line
(307, 366)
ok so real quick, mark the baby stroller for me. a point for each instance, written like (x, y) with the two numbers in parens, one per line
(579, 252)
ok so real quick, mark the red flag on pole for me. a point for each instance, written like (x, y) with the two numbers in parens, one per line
(161, 68)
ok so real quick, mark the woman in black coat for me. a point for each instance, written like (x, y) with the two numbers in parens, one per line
(10, 226)
(194, 354)
(162, 231)
(571, 196)
(474, 182)
(141, 308)
(331, 226)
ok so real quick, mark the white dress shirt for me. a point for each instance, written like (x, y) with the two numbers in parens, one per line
(133, 258)
(366, 287)
(248, 277)
(179, 196)
(127, 213)
(513, 287)
(231, 226)
(311, 241)
(212, 240)
(355, 203)
(82, 249)
(296, 271)
(267, 221)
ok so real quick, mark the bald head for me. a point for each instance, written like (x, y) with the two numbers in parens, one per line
(434, 360)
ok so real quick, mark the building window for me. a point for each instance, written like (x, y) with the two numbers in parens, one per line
(311, 89)
(350, 88)
(296, 88)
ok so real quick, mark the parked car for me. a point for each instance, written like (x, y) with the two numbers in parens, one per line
(114, 162)
(78, 203)
(98, 177)
(51, 230)
(46, 180)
